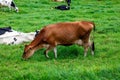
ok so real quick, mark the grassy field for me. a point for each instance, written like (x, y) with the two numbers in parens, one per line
(70, 64)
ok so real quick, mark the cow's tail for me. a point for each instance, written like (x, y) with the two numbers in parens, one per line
(93, 44)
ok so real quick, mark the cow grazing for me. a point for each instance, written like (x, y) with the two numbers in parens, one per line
(9, 3)
(66, 33)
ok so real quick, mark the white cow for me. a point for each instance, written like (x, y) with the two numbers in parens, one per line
(15, 37)
(10, 36)
(9, 3)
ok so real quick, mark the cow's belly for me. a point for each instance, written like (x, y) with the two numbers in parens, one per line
(67, 43)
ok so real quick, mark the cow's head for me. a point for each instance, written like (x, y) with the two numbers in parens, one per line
(28, 52)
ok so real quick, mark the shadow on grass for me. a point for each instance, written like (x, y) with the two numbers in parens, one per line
(63, 53)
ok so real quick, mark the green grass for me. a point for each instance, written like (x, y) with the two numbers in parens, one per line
(70, 64)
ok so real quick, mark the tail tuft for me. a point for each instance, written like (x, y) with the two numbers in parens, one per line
(93, 46)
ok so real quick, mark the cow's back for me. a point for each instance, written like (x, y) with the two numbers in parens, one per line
(65, 33)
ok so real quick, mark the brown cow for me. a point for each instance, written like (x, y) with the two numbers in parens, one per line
(66, 33)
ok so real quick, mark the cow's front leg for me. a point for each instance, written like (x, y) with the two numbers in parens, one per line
(55, 52)
(46, 54)
(47, 50)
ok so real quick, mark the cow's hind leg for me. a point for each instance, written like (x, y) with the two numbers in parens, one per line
(86, 47)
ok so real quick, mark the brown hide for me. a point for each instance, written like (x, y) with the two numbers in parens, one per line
(66, 33)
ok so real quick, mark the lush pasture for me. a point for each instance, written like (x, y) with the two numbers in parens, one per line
(70, 64)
